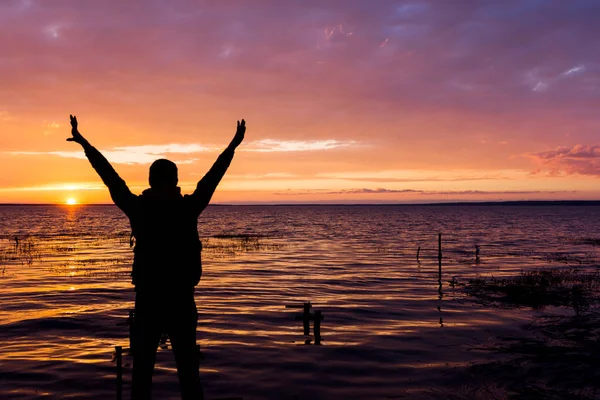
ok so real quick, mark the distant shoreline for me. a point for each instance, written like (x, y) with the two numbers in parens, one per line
(447, 204)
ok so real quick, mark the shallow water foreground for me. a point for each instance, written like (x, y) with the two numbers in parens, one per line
(390, 330)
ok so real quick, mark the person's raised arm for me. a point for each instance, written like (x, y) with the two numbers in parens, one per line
(119, 191)
(207, 185)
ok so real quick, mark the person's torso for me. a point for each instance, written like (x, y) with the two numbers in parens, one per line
(167, 247)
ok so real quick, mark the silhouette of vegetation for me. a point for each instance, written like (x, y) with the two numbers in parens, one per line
(231, 245)
(588, 241)
(239, 236)
(539, 288)
(52, 252)
(19, 251)
(558, 359)
(84, 260)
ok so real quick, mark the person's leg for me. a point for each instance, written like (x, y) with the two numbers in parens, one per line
(182, 332)
(146, 336)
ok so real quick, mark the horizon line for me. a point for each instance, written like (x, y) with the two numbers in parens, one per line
(447, 202)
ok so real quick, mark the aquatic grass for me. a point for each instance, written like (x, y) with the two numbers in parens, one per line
(587, 240)
(570, 259)
(26, 250)
(239, 236)
(570, 287)
(484, 390)
(112, 267)
(232, 245)
(23, 252)
(52, 251)
(62, 249)
(559, 359)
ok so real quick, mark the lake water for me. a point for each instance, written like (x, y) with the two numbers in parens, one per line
(390, 330)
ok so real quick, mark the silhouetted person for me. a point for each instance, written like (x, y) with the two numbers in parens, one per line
(166, 264)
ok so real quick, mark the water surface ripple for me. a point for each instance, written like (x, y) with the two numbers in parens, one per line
(389, 329)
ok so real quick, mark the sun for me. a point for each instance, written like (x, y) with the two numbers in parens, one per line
(71, 201)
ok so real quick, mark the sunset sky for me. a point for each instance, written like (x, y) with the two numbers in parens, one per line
(345, 100)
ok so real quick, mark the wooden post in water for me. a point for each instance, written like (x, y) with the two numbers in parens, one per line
(440, 292)
(306, 318)
(418, 252)
(318, 318)
(440, 254)
(119, 357)
(440, 265)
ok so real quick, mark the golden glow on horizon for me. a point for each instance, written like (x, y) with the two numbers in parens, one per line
(71, 201)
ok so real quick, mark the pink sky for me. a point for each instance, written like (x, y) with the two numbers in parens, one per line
(345, 101)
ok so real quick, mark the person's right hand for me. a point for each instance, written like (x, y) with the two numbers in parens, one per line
(77, 137)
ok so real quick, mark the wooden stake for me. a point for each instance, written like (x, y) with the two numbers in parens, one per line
(440, 253)
(306, 318)
(440, 265)
(318, 318)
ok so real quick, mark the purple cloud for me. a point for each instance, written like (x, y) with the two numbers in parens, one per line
(453, 53)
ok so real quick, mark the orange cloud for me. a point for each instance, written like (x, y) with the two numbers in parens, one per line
(578, 159)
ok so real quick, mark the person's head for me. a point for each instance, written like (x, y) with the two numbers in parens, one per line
(163, 174)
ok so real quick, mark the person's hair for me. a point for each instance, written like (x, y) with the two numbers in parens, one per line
(163, 173)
